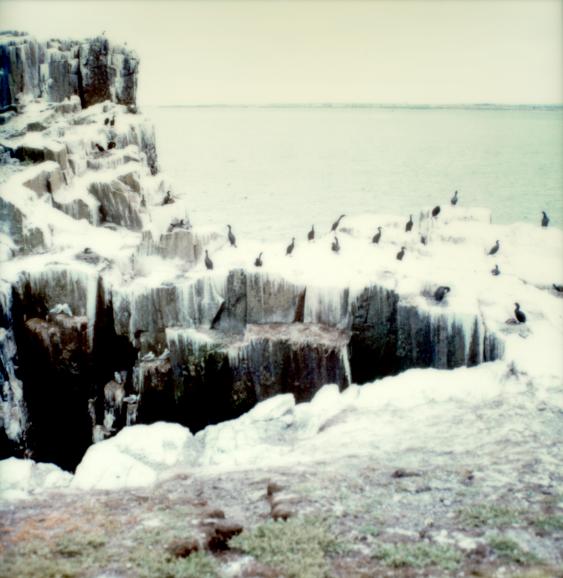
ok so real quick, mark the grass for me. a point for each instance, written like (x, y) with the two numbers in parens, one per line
(72, 555)
(489, 516)
(417, 555)
(509, 551)
(297, 547)
(553, 523)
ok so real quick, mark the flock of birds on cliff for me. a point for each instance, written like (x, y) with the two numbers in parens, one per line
(439, 293)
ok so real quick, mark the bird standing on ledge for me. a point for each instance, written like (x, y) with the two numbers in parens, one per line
(336, 223)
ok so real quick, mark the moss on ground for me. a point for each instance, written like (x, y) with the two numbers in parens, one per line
(489, 516)
(553, 523)
(417, 555)
(510, 551)
(297, 547)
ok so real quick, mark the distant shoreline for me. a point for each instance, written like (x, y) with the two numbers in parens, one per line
(328, 105)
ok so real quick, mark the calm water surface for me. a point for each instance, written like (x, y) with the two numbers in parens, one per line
(272, 172)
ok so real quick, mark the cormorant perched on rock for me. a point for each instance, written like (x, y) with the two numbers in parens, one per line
(168, 200)
(436, 211)
(208, 261)
(111, 145)
(258, 261)
(401, 254)
(408, 226)
(495, 271)
(311, 233)
(441, 292)
(454, 200)
(112, 121)
(423, 239)
(232, 238)
(494, 249)
(290, 247)
(336, 223)
(377, 237)
(558, 288)
(519, 314)
(106, 121)
(100, 148)
(544, 220)
(335, 245)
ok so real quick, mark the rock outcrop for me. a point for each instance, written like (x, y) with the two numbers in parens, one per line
(109, 315)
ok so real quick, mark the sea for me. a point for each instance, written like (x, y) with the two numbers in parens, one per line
(273, 171)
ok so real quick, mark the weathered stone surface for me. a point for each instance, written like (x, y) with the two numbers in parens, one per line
(47, 179)
(118, 205)
(13, 224)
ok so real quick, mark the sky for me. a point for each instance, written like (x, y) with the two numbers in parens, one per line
(258, 52)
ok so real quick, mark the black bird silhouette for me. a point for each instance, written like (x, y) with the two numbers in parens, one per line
(377, 237)
(436, 211)
(408, 226)
(168, 200)
(441, 292)
(258, 261)
(401, 254)
(106, 121)
(311, 233)
(544, 220)
(112, 121)
(558, 288)
(519, 314)
(495, 271)
(208, 261)
(335, 245)
(454, 199)
(494, 249)
(100, 148)
(232, 238)
(111, 145)
(423, 239)
(336, 223)
(290, 247)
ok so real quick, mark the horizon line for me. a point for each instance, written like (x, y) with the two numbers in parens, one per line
(328, 104)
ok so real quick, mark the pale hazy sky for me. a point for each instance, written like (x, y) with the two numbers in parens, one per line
(435, 51)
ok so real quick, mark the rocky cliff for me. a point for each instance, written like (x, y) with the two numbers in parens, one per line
(109, 316)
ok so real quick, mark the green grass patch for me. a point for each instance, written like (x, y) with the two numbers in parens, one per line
(510, 551)
(553, 523)
(297, 547)
(489, 516)
(417, 555)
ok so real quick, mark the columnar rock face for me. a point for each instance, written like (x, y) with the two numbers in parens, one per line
(109, 316)
(94, 70)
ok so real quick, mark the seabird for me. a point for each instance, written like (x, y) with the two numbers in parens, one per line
(290, 247)
(401, 254)
(408, 226)
(336, 223)
(519, 314)
(558, 288)
(208, 261)
(232, 238)
(258, 261)
(377, 237)
(436, 211)
(441, 292)
(100, 148)
(311, 233)
(168, 200)
(495, 271)
(544, 220)
(423, 239)
(335, 245)
(106, 121)
(111, 145)
(454, 199)
(494, 249)
(112, 121)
